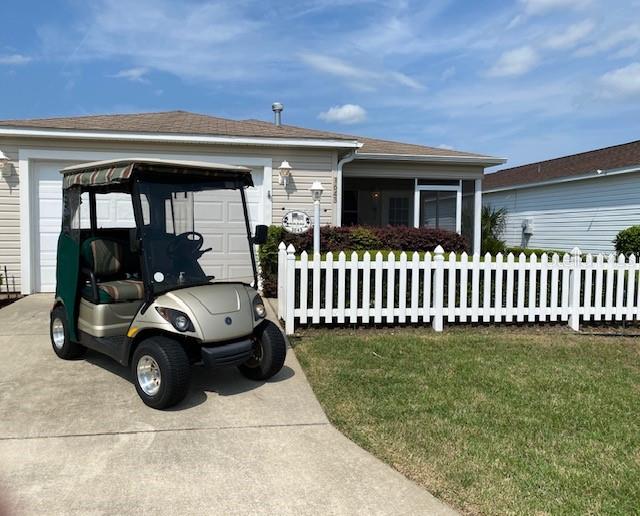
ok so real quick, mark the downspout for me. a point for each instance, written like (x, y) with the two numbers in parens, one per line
(347, 159)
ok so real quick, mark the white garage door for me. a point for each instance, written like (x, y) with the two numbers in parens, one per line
(218, 216)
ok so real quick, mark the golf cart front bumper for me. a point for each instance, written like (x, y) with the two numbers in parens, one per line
(226, 355)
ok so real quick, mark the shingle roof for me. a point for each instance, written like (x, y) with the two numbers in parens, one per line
(618, 156)
(183, 122)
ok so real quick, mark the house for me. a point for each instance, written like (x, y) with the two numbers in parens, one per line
(366, 181)
(582, 200)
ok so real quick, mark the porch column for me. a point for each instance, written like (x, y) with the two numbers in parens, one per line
(477, 216)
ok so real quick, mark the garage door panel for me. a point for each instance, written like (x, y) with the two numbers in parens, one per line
(211, 211)
(238, 244)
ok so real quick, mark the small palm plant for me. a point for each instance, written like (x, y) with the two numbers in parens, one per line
(493, 224)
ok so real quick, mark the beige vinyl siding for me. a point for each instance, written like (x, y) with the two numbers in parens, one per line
(308, 165)
(10, 218)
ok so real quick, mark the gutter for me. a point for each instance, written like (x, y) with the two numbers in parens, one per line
(566, 179)
(463, 160)
(179, 138)
(347, 159)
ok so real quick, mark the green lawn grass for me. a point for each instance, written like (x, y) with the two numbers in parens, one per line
(492, 421)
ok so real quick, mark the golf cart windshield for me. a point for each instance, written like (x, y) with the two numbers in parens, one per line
(194, 232)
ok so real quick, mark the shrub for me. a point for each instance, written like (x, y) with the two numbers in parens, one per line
(493, 224)
(493, 245)
(628, 241)
(353, 238)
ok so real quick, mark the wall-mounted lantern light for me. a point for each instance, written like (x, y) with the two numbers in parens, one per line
(3, 159)
(284, 171)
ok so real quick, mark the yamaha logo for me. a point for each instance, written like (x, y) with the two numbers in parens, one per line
(228, 320)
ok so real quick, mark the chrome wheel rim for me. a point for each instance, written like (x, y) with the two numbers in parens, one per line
(57, 333)
(149, 377)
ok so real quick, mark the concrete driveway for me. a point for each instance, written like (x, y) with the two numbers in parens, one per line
(76, 439)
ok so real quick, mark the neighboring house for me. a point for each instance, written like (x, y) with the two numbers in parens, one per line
(366, 181)
(582, 200)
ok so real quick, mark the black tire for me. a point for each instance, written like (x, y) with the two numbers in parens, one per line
(173, 365)
(271, 350)
(66, 349)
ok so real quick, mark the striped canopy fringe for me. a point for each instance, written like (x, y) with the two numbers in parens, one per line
(101, 176)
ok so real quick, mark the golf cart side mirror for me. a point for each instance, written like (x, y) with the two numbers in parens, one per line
(261, 235)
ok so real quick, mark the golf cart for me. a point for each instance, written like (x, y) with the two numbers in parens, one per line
(141, 290)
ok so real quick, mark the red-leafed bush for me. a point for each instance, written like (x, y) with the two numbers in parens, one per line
(354, 238)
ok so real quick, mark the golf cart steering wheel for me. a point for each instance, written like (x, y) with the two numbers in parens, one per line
(193, 245)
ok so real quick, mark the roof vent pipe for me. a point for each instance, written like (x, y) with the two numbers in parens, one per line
(277, 108)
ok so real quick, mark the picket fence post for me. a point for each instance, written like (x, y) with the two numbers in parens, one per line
(438, 289)
(574, 289)
(290, 296)
(282, 278)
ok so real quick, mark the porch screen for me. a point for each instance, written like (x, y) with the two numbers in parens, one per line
(438, 209)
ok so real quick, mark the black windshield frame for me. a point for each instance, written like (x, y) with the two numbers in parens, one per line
(181, 184)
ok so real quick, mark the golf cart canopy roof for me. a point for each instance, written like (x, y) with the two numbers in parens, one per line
(102, 173)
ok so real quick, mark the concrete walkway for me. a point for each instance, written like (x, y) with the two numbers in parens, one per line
(76, 439)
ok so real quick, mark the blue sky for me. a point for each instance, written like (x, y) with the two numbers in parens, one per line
(522, 79)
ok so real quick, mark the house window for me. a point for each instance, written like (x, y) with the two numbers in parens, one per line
(398, 211)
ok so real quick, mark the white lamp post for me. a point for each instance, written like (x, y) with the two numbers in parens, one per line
(284, 171)
(316, 193)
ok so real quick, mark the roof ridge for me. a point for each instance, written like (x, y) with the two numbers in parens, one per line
(185, 122)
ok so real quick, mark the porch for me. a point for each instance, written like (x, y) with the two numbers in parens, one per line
(413, 194)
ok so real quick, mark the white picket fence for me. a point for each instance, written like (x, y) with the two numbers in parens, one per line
(431, 289)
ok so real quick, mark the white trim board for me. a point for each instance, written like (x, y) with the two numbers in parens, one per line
(180, 138)
(437, 158)
(28, 201)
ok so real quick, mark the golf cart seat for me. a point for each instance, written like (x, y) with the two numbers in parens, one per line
(105, 262)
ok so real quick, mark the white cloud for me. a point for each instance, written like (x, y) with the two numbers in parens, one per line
(445, 146)
(345, 114)
(570, 36)
(355, 74)
(14, 59)
(335, 66)
(614, 39)
(213, 41)
(515, 62)
(542, 6)
(622, 82)
(132, 74)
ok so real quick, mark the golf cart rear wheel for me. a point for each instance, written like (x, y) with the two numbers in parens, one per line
(269, 354)
(161, 372)
(59, 332)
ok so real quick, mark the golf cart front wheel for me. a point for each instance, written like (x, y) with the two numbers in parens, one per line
(269, 353)
(59, 332)
(161, 372)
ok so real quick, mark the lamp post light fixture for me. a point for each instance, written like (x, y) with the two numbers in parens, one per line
(284, 171)
(316, 194)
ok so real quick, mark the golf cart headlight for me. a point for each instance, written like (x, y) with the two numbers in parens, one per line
(259, 310)
(178, 319)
